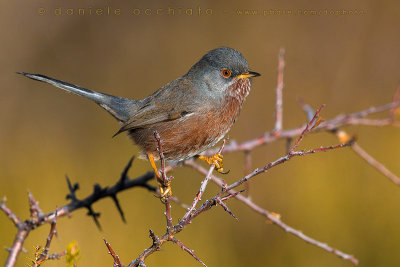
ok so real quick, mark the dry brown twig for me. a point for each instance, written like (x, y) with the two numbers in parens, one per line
(42, 254)
(38, 218)
(228, 192)
(279, 92)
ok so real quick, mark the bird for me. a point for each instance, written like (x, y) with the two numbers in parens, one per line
(190, 114)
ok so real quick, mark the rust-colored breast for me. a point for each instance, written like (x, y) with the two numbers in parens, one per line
(190, 135)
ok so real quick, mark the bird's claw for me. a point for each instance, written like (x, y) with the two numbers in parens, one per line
(216, 159)
(165, 191)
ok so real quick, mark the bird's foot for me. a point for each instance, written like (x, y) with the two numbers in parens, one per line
(216, 159)
(165, 191)
(163, 185)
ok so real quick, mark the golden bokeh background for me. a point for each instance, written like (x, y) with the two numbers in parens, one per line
(349, 62)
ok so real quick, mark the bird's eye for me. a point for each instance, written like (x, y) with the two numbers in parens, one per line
(226, 73)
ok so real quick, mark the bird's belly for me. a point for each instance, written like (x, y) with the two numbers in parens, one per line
(185, 137)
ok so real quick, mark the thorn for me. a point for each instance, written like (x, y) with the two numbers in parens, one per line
(121, 212)
(232, 195)
(72, 189)
(94, 215)
(307, 108)
(224, 185)
(188, 250)
(117, 261)
(124, 174)
(97, 189)
(155, 238)
(225, 207)
(288, 144)
(34, 208)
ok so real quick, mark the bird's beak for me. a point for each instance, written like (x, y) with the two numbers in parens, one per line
(247, 74)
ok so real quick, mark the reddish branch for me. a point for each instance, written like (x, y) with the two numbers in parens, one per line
(171, 229)
(38, 218)
(117, 261)
(327, 125)
(273, 217)
(165, 183)
(202, 187)
(43, 254)
(228, 192)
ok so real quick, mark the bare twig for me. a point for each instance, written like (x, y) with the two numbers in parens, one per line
(39, 218)
(376, 164)
(202, 187)
(190, 214)
(165, 184)
(247, 170)
(292, 153)
(34, 208)
(396, 99)
(344, 137)
(188, 250)
(327, 125)
(307, 129)
(279, 89)
(273, 217)
(117, 262)
(44, 254)
(10, 214)
(16, 248)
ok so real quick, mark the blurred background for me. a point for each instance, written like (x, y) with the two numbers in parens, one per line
(347, 61)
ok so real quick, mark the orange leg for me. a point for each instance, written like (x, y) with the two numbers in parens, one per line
(153, 164)
(165, 189)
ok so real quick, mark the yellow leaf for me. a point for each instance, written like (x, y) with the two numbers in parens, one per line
(275, 215)
(343, 136)
(317, 122)
(73, 252)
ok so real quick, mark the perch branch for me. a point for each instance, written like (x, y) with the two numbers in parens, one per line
(273, 217)
(38, 218)
(279, 90)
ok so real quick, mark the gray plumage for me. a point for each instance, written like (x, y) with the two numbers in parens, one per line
(177, 107)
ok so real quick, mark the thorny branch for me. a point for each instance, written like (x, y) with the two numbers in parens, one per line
(277, 133)
(43, 255)
(165, 183)
(202, 187)
(333, 125)
(171, 229)
(273, 217)
(228, 192)
(357, 118)
(38, 218)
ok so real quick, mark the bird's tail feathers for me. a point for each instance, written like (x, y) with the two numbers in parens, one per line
(120, 108)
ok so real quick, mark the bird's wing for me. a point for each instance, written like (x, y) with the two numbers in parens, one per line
(168, 103)
(152, 116)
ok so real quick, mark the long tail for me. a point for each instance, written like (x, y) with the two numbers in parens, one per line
(120, 108)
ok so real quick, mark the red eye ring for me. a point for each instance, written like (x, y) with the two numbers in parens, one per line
(226, 73)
